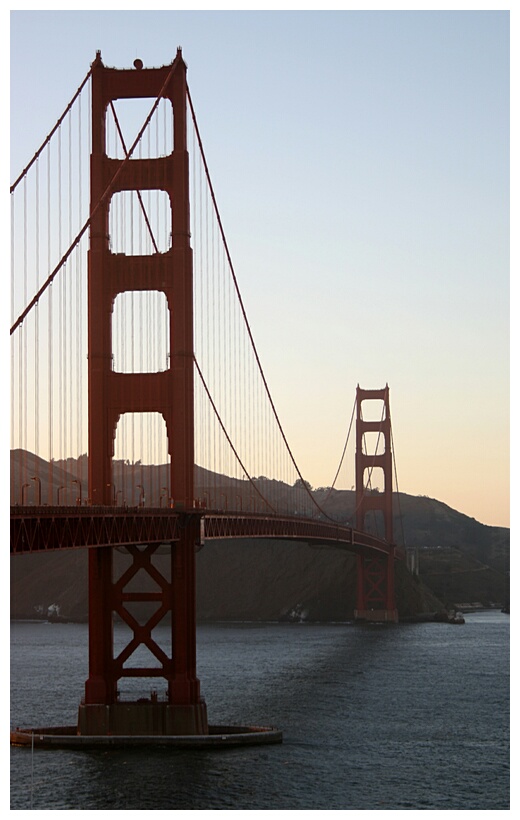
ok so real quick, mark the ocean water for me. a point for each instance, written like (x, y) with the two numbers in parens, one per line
(397, 717)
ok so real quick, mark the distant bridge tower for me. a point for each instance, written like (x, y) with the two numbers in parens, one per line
(170, 393)
(375, 576)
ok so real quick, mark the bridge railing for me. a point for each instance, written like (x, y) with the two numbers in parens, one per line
(41, 529)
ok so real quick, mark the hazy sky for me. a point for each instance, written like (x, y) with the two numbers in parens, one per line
(361, 165)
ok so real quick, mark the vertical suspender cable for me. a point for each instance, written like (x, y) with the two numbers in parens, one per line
(13, 244)
(239, 296)
(49, 137)
(60, 305)
(37, 320)
(397, 488)
(79, 324)
(50, 328)
(23, 362)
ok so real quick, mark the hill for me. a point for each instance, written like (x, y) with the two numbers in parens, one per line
(459, 560)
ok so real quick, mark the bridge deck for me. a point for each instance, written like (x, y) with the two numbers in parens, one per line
(42, 529)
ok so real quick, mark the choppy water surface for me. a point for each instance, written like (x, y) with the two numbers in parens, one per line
(397, 717)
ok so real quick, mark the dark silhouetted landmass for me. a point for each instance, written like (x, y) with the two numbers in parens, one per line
(459, 560)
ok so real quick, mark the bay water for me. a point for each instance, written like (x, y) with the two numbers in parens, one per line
(395, 717)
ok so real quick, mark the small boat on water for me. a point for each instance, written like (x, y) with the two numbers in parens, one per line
(456, 618)
(453, 617)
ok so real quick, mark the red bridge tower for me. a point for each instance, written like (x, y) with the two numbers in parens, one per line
(169, 393)
(375, 578)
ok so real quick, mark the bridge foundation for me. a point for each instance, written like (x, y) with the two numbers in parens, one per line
(219, 737)
(377, 615)
(142, 719)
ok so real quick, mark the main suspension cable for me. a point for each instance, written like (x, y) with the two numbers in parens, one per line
(98, 204)
(342, 455)
(242, 308)
(138, 192)
(369, 480)
(227, 435)
(51, 134)
(397, 487)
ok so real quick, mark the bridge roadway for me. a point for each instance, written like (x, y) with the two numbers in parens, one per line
(46, 528)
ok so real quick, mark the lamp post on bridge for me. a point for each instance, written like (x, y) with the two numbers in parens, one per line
(164, 494)
(23, 493)
(38, 481)
(59, 491)
(114, 493)
(78, 482)
(141, 494)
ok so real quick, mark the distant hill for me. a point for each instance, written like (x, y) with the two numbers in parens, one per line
(459, 560)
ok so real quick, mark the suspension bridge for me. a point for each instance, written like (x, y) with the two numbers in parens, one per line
(141, 418)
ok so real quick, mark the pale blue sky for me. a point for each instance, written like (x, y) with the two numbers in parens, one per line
(361, 165)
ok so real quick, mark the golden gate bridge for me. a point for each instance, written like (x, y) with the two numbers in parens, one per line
(141, 417)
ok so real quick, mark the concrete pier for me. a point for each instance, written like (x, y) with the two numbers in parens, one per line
(219, 737)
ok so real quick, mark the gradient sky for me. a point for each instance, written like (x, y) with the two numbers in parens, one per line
(361, 165)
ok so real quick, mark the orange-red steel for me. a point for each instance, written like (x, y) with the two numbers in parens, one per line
(101, 526)
(375, 578)
(42, 529)
(170, 392)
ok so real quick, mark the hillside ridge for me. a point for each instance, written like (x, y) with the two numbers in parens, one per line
(458, 558)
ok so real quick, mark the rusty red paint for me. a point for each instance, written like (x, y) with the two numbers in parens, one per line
(375, 574)
(169, 393)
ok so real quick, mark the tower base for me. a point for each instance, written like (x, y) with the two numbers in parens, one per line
(142, 719)
(218, 737)
(377, 615)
